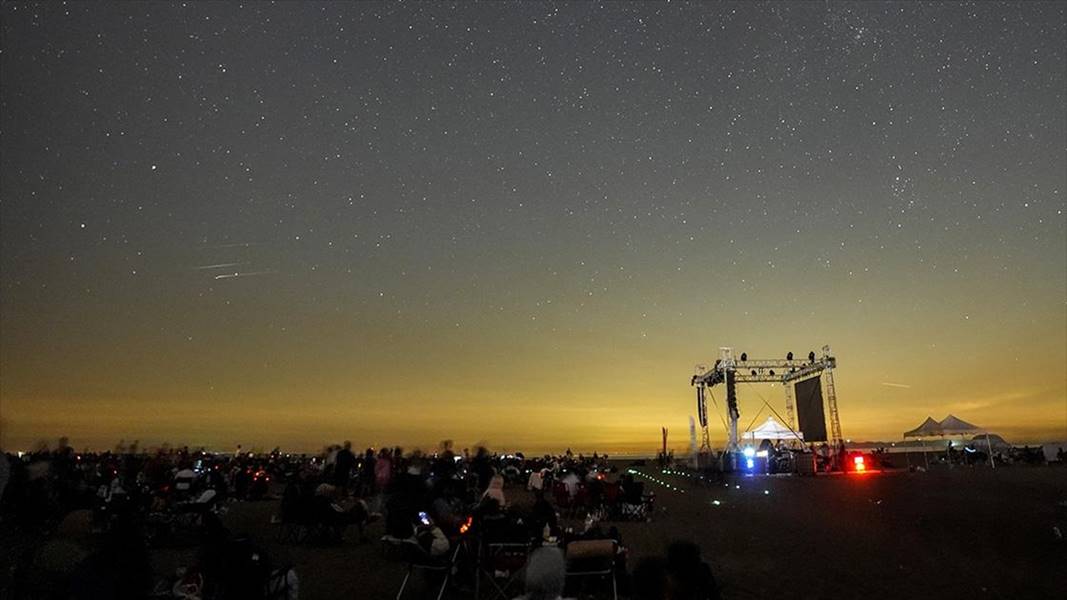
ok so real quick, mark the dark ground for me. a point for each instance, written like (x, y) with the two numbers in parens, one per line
(961, 533)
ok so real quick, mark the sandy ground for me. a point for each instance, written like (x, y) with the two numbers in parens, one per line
(961, 533)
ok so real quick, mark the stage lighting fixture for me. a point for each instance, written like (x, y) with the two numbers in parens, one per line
(749, 452)
(744, 356)
(789, 356)
(750, 463)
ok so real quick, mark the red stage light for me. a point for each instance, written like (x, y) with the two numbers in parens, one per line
(859, 464)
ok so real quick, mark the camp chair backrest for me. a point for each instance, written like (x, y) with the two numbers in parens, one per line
(611, 493)
(594, 558)
(591, 549)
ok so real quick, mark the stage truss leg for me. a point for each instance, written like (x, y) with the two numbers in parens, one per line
(788, 385)
(831, 402)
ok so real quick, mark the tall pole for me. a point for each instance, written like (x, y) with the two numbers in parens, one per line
(664, 455)
(731, 405)
(989, 444)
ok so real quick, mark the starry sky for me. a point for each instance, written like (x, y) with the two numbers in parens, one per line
(524, 223)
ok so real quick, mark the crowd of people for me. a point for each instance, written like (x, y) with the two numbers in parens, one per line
(103, 511)
(81, 524)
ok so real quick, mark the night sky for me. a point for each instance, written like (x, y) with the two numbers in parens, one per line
(524, 224)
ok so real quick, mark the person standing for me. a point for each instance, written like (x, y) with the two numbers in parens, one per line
(383, 470)
(345, 462)
(366, 470)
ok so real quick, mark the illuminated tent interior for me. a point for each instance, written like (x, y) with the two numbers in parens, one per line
(771, 429)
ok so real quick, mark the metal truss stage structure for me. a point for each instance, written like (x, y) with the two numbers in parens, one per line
(730, 371)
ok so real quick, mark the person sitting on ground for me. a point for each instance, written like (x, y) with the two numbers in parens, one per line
(335, 511)
(546, 573)
(120, 568)
(448, 509)
(431, 538)
(404, 504)
(183, 481)
(650, 579)
(203, 503)
(293, 501)
(544, 522)
(689, 576)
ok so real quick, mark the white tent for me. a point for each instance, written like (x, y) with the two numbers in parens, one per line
(772, 430)
(953, 425)
(949, 426)
(929, 428)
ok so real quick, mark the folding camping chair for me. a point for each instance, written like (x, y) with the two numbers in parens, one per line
(501, 563)
(582, 500)
(609, 500)
(418, 560)
(280, 584)
(636, 505)
(297, 516)
(593, 558)
(564, 503)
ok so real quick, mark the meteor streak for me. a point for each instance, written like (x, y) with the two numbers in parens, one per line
(245, 274)
(218, 266)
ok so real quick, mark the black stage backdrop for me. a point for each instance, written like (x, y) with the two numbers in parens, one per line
(810, 410)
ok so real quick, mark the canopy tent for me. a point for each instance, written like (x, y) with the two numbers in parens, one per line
(772, 430)
(949, 426)
(952, 425)
(929, 428)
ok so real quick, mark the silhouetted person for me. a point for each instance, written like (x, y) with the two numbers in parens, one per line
(345, 462)
(650, 579)
(366, 470)
(545, 575)
(690, 577)
(120, 570)
(481, 468)
(383, 470)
